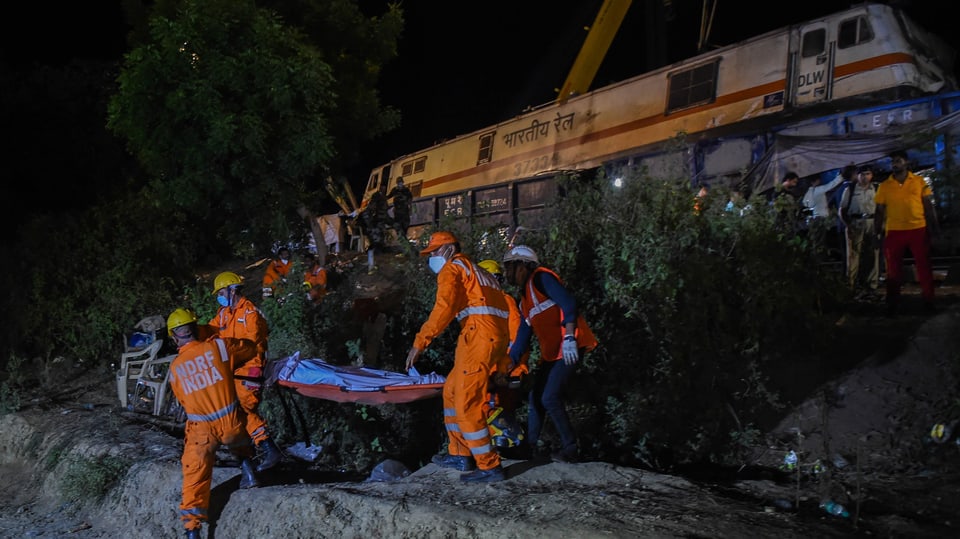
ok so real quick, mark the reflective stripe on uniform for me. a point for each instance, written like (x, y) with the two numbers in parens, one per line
(451, 426)
(222, 412)
(222, 347)
(195, 511)
(463, 265)
(482, 450)
(538, 307)
(482, 309)
(476, 435)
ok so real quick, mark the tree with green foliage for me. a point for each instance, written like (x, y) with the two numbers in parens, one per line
(227, 107)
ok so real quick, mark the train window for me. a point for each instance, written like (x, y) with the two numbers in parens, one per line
(854, 32)
(814, 43)
(419, 165)
(693, 87)
(486, 148)
(416, 188)
(406, 168)
(374, 180)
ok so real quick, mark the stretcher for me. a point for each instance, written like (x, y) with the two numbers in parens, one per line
(318, 379)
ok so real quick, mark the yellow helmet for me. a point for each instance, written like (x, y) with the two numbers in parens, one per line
(492, 266)
(225, 279)
(180, 317)
(941, 433)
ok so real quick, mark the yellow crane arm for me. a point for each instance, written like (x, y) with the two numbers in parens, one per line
(594, 48)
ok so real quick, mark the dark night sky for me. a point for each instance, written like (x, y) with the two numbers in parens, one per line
(463, 66)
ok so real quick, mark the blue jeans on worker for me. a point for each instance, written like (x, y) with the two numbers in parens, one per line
(546, 400)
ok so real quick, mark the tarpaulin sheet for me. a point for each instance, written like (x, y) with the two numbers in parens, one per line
(346, 383)
(808, 155)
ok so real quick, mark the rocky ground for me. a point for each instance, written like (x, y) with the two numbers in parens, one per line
(870, 423)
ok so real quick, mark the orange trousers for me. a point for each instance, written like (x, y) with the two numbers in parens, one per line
(465, 391)
(199, 456)
(248, 393)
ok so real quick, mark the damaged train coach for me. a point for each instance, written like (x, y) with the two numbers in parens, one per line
(810, 97)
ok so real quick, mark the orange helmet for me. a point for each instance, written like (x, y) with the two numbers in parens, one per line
(437, 240)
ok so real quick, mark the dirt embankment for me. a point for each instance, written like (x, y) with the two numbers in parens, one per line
(539, 499)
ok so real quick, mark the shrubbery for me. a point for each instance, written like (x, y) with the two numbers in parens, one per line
(701, 316)
(697, 312)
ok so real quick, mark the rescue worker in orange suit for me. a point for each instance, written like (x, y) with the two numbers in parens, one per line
(275, 276)
(549, 311)
(315, 281)
(239, 318)
(474, 298)
(201, 378)
(507, 398)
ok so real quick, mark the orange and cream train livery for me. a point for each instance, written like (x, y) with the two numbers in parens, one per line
(727, 103)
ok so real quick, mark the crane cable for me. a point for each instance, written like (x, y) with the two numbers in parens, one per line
(706, 23)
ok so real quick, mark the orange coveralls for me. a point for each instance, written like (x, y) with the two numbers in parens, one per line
(244, 321)
(276, 271)
(474, 298)
(317, 279)
(201, 378)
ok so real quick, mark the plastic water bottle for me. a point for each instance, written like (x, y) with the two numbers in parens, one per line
(790, 460)
(834, 508)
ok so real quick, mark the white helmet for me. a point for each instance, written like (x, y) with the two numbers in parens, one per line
(521, 253)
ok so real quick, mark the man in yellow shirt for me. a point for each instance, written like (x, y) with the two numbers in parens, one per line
(905, 219)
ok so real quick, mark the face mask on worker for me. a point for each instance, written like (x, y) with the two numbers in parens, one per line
(436, 263)
(223, 301)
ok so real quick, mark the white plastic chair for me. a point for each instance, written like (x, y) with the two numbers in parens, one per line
(153, 385)
(131, 367)
(356, 241)
(133, 359)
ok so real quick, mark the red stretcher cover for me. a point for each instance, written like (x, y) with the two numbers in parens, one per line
(346, 383)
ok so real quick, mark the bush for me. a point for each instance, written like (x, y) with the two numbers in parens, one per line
(697, 314)
(87, 480)
(87, 277)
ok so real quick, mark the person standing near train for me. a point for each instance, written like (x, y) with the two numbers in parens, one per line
(906, 218)
(857, 209)
(402, 197)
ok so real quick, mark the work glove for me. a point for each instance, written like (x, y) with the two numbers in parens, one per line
(571, 353)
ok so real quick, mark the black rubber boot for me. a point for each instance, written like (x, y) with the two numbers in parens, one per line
(248, 479)
(271, 455)
(193, 534)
